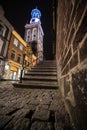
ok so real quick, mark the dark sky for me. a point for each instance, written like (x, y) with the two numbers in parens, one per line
(18, 12)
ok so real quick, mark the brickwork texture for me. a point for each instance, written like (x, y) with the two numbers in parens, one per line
(71, 56)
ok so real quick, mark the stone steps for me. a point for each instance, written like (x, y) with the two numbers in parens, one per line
(36, 84)
(36, 73)
(43, 75)
(46, 78)
(42, 70)
(44, 67)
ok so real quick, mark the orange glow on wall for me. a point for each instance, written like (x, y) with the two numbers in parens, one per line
(19, 38)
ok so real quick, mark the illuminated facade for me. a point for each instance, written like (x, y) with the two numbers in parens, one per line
(20, 57)
(17, 47)
(34, 34)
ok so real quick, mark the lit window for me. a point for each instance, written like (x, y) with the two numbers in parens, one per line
(21, 47)
(15, 42)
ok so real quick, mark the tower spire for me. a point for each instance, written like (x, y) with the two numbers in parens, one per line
(35, 16)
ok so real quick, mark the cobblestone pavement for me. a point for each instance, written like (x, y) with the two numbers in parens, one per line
(31, 109)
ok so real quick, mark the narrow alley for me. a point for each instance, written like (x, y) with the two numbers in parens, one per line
(43, 74)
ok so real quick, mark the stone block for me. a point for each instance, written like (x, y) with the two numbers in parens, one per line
(81, 32)
(83, 51)
(74, 61)
(42, 115)
(4, 120)
(79, 83)
(37, 125)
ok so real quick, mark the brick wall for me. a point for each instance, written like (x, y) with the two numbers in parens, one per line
(71, 56)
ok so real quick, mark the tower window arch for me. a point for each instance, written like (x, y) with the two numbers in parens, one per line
(28, 35)
(34, 34)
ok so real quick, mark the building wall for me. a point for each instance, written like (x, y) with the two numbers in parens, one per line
(15, 56)
(71, 56)
(5, 34)
(7, 30)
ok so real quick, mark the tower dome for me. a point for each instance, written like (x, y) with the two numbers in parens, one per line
(36, 15)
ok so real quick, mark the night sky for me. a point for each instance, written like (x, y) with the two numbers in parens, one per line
(19, 13)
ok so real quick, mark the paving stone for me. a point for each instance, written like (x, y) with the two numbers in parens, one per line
(22, 124)
(17, 118)
(34, 101)
(41, 126)
(59, 126)
(53, 106)
(4, 120)
(42, 115)
(43, 107)
(7, 110)
(30, 107)
(21, 113)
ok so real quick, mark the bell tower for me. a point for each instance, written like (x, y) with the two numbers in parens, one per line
(34, 34)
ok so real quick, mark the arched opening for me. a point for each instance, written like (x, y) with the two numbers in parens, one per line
(34, 47)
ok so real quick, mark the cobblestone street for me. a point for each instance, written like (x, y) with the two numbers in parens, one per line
(31, 109)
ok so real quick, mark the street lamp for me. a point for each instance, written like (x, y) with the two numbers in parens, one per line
(22, 68)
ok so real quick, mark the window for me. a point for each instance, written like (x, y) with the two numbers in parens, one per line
(34, 34)
(13, 55)
(28, 35)
(19, 58)
(21, 47)
(15, 42)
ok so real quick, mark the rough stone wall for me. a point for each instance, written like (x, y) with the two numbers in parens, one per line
(71, 56)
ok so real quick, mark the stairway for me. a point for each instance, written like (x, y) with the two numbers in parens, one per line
(43, 75)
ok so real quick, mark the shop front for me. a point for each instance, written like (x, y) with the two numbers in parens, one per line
(13, 73)
(12, 70)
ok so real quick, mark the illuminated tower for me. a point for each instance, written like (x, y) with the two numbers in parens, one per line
(34, 34)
